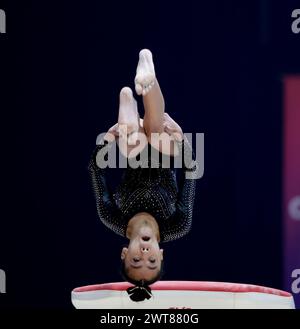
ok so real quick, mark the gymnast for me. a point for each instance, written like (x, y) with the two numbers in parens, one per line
(151, 204)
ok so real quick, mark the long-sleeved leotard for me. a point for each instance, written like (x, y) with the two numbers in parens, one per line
(152, 190)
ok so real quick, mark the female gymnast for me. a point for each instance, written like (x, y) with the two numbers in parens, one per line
(151, 205)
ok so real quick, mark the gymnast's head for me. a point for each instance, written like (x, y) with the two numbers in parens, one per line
(142, 260)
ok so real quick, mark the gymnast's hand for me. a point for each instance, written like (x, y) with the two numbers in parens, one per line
(112, 133)
(172, 128)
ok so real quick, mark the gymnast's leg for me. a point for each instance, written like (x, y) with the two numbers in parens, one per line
(128, 131)
(147, 85)
(156, 121)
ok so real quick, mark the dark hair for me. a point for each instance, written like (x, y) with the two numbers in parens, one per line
(141, 291)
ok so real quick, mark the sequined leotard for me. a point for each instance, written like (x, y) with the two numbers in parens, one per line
(152, 190)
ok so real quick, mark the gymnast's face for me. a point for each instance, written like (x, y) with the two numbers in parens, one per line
(142, 257)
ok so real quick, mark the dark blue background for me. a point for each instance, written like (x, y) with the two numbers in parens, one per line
(220, 65)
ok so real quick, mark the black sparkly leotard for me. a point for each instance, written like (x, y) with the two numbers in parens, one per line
(152, 190)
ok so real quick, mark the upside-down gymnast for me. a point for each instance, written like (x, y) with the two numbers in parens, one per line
(151, 205)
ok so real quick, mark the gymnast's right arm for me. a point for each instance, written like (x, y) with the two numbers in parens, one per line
(107, 209)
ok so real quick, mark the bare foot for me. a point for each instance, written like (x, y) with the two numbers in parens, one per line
(128, 121)
(145, 73)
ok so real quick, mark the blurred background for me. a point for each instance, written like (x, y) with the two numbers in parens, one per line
(222, 66)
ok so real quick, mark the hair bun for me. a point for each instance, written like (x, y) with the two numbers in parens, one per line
(139, 293)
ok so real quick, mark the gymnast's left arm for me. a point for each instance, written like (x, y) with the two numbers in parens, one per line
(181, 222)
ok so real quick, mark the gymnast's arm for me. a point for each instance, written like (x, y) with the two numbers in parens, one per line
(108, 212)
(180, 223)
